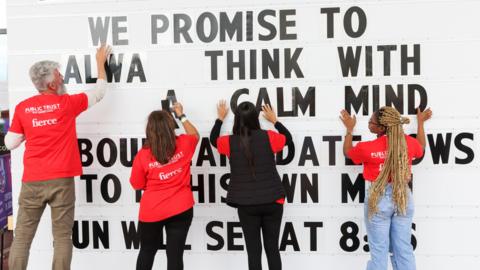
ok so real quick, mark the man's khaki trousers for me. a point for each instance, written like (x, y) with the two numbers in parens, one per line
(59, 194)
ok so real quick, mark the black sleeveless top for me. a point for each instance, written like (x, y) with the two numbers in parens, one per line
(260, 184)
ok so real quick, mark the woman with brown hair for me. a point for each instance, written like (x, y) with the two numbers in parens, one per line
(162, 170)
(387, 168)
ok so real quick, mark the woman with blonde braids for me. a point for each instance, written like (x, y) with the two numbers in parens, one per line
(387, 168)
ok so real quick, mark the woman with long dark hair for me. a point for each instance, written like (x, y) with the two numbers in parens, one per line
(387, 168)
(162, 170)
(255, 187)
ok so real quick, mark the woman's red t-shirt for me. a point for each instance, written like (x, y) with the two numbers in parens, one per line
(372, 155)
(167, 189)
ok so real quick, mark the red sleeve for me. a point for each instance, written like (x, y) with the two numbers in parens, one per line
(277, 141)
(223, 145)
(191, 141)
(16, 125)
(138, 178)
(356, 153)
(417, 148)
(79, 103)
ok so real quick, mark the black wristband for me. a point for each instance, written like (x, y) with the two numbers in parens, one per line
(180, 116)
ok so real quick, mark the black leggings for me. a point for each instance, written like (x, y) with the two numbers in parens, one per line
(266, 218)
(150, 240)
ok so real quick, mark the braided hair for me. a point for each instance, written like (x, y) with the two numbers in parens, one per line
(396, 167)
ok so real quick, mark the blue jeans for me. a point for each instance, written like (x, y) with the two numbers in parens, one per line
(390, 232)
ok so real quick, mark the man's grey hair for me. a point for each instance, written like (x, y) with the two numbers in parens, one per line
(41, 73)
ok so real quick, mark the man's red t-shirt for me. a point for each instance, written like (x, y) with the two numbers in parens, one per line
(48, 124)
(373, 153)
(277, 142)
(167, 190)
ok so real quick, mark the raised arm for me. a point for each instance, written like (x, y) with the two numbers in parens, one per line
(222, 112)
(349, 122)
(97, 94)
(190, 129)
(271, 116)
(422, 117)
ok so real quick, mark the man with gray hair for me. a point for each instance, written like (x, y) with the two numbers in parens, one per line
(46, 122)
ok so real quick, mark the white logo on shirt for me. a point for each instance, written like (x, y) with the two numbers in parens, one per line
(41, 123)
(166, 176)
(381, 155)
(43, 109)
(174, 159)
(380, 167)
